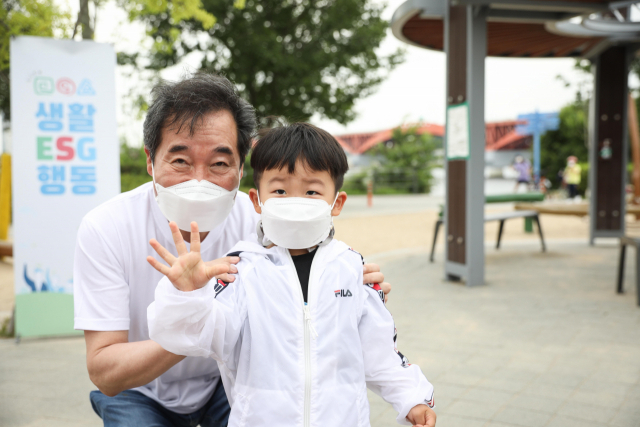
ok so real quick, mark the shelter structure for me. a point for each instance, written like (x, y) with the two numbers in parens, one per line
(469, 30)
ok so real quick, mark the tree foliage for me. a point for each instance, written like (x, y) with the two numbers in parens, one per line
(42, 18)
(133, 167)
(406, 161)
(290, 58)
(569, 140)
(172, 13)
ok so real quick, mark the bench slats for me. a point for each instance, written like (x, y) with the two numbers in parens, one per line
(509, 215)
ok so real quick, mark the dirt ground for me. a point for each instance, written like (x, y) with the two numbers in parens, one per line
(375, 234)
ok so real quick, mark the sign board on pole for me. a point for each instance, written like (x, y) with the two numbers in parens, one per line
(537, 125)
(457, 132)
(65, 163)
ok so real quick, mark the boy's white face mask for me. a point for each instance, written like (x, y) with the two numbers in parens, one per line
(295, 222)
(206, 203)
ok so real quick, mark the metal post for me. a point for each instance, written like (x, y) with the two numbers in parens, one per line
(476, 55)
(608, 128)
(536, 159)
(466, 47)
(592, 128)
(447, 171)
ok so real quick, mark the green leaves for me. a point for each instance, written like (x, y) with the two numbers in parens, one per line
(42, 18)
(291, 58)
(174, 10)
(406, 161)
(569, 140)
(133, 167)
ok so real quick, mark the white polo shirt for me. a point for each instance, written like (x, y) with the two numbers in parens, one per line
(114, 284)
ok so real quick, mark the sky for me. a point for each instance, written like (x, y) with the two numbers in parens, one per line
(414, 91)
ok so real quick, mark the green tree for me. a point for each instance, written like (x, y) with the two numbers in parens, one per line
(247, 176)
(42, 18)
(290, 58)
(569, 140)
(406, 162)
(133, 167)
(145, 68)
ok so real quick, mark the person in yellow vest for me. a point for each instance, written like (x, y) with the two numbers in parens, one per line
(572, 176)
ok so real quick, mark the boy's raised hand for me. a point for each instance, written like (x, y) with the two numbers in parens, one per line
(187, 272)
(422, 416)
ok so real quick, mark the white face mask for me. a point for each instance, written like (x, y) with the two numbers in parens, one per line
(296, 222)
(200, 201)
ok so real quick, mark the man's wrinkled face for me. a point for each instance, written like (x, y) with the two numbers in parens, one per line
(210, 154)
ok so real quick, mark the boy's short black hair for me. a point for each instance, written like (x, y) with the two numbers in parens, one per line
(284, 145)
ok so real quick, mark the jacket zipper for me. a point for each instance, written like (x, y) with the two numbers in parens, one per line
(309, 330)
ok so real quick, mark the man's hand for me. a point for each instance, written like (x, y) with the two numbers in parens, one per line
(229, 261)
(422, 416)
(187, 272)
(372, 274)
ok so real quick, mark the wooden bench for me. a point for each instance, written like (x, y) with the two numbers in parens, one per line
(531, 197)
(502, 217)
(576, 209)
(631, 241)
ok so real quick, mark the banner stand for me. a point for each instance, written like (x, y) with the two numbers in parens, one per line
(65, 162)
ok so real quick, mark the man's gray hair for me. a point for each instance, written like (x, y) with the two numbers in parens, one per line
(185, 103)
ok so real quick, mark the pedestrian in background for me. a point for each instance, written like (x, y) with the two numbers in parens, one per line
(572, 175)
(523, 167)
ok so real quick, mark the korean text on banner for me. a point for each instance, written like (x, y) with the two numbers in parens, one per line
(65, 163)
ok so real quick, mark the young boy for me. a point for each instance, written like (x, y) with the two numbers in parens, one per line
(297, 336)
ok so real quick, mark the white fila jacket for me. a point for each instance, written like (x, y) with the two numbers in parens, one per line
(284, 363)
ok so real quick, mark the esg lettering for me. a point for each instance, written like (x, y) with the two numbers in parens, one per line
(66, 148)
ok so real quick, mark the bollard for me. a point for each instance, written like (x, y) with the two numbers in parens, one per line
(370, 194)
(5, 196)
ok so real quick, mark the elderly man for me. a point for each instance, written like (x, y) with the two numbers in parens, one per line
(196, 134)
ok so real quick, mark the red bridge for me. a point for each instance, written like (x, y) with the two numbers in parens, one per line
(499, 136)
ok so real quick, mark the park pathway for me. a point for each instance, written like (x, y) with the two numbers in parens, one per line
(546, 342)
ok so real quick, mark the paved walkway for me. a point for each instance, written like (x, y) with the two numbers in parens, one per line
(546, 342)
(44, 383)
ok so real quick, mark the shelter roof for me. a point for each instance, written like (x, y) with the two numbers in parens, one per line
(515, 28)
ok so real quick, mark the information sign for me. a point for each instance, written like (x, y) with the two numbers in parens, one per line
(457, 133)
(65, 162)
(537, 125)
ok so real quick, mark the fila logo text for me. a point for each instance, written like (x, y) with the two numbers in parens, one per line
(342, 293)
